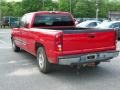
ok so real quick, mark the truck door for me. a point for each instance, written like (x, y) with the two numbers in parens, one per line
(24, 28)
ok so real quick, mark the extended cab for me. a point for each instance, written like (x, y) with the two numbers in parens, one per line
(53, 38)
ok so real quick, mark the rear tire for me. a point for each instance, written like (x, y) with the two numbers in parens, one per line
(43, 64)
(14, 47)
(97, 63)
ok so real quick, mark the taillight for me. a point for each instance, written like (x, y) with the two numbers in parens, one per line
(59, 42)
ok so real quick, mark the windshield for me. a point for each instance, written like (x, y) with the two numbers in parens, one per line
(53, 20)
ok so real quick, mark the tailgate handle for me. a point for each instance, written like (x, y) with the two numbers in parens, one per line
(91, 35)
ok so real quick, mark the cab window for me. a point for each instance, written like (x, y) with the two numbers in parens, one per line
(53, 20)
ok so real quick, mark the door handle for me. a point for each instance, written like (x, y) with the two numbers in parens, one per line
(91, 35)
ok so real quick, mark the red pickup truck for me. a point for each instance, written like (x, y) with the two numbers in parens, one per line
(52, 37)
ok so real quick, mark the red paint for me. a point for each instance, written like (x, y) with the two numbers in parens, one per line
(57, 43)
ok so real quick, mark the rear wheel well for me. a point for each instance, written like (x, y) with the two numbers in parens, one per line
(37, 45)
(11, 37)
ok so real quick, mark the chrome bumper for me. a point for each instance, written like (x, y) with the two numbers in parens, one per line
(87, 58)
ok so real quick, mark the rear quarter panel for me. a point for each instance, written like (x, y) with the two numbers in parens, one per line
(46, 38)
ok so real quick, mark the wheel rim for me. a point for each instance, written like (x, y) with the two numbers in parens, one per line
(41, 60)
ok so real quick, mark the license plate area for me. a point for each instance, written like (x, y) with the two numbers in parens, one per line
(91, 57)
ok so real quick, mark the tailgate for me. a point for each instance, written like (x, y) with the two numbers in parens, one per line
(76, 42)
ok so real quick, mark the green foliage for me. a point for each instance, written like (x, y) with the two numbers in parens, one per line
(64, 5)
(86, 8)
(79, 8)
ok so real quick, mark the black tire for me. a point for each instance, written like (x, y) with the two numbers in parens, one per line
(43, 64)
(97, 63)
(14, 47)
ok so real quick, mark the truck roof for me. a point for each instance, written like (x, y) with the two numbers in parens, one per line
(48, 12)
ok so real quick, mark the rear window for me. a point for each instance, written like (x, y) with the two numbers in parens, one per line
(52, 20)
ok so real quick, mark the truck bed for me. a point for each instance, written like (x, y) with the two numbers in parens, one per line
(85, 40)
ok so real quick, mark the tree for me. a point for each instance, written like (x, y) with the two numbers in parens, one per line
(65, 5)
(31, 6)
(79, 8)
(85, 8)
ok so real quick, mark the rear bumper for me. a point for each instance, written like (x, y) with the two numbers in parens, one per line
(87, 58)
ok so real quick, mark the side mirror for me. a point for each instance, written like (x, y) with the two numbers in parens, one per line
(74, 20)
(26, 25)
